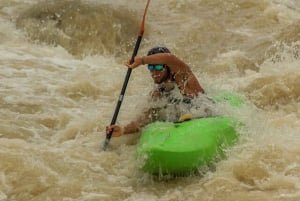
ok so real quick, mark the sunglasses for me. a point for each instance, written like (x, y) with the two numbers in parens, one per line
(157, 67)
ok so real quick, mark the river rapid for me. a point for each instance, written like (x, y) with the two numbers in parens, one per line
(62, 69)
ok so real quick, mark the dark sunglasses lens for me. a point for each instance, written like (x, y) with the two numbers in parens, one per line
(150, 67)
(159, 67)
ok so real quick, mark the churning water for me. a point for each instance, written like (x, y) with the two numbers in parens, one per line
(62, 69)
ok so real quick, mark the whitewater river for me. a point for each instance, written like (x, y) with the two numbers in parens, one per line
(62, 69)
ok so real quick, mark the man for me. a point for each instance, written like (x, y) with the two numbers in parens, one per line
(167, 72)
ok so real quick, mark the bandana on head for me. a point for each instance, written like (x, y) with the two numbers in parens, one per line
(156, 50)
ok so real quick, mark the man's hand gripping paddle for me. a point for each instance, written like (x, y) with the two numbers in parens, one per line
(135, 51)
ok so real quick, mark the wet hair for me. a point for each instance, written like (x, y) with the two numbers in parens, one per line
(156, 50)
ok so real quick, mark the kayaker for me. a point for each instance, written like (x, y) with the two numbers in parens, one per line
(167, 72)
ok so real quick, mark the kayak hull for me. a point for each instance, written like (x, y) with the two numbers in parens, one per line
(180, 148)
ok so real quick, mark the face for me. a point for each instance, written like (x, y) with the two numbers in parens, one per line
(159, 75)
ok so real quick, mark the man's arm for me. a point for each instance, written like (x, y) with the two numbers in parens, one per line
(184, 77)
(188, 84)
(132, 127)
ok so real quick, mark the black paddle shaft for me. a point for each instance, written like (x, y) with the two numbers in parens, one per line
(121, 96)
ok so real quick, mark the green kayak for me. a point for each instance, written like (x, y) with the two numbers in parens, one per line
(184, 147)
